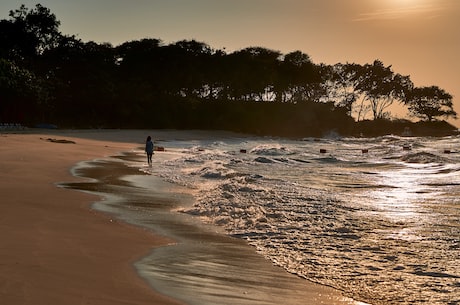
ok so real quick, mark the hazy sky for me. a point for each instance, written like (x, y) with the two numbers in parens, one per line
(420, 38)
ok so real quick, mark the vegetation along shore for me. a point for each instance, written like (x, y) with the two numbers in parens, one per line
(54, 78)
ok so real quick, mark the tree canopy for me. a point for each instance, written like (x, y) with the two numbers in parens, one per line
(46, 76)
(428, 103)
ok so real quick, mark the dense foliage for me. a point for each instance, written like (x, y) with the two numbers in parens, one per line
(46, 76)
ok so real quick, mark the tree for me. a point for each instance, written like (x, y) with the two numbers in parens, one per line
(340, 82)
(381, 87)
(18, 88)
(427, 103)
(296, 76)
(252, 74)
(39, 26)
(141, 67)
(28, 34)
(190, 67)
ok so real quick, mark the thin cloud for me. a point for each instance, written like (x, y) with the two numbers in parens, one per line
(429, 12)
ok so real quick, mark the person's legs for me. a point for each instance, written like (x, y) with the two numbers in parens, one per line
(149, 158)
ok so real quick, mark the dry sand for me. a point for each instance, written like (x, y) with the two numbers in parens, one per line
(54, 249)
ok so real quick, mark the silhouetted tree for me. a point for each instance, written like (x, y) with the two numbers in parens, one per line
(18, 93)
(141, 69)
(341, 82)
(297, 78)
(29, 33)
(381, 87)
(253, 73)
(428, 103)
(47, 76)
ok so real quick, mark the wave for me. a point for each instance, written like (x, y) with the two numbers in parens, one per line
(218, 172)
(263, 160)
(269, 150)
(422, 158)
(329, 159)
(360, 213)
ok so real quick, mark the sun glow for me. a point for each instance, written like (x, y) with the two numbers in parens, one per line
(398, 9)
(405, 2)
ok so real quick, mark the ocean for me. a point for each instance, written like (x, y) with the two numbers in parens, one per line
(376, 218)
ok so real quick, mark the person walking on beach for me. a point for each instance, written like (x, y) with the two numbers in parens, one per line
(149, 149)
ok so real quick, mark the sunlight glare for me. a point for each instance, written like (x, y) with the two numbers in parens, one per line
(402, 200)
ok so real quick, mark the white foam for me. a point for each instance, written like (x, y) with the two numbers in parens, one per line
(323, 217)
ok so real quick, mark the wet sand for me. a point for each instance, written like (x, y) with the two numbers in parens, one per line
(58, 250)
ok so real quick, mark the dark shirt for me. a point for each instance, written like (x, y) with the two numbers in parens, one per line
(149, 147)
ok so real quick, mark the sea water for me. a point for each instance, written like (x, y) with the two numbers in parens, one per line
(377, 218)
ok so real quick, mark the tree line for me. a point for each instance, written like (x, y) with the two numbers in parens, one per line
(47, 76)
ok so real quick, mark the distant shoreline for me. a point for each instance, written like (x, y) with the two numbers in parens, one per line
(405, 128)
(367, 128)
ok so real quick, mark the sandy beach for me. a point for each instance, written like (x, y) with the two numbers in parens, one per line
(56, 249)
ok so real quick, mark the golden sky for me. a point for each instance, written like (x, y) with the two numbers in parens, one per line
(420, 38)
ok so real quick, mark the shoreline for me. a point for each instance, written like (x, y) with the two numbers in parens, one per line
(56, 249)
(134, 241)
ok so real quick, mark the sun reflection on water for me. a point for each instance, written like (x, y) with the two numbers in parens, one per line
(403, 199)
(404, 192)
